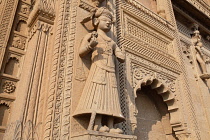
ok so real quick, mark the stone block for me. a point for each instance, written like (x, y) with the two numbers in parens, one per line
(95, 135)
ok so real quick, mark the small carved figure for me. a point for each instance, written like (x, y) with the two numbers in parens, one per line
(100, 94)
(196, 40)
(18, 43)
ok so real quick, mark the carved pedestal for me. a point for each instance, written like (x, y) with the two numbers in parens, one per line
(95, 135)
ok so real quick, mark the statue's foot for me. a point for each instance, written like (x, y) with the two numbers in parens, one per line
(104, 129)
(116, 131)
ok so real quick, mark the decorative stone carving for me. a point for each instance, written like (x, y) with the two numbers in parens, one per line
(25, 9)
(5, 25)
(8, 87)
(197, 45)
(164, 84)
(19, 42)
(43, 8)
(24, 131)
(101, 84)
(6, 102)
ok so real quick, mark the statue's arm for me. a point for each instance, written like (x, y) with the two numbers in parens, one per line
(120, 54)
(85, 46)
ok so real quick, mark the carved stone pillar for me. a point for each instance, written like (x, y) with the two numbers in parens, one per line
(34, 73)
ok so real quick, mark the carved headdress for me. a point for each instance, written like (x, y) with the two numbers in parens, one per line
(102, 11)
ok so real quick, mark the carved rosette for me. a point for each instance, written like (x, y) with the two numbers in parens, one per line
(8, 87)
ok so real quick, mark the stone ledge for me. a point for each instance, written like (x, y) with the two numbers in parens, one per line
(95, 135)
(205, 76)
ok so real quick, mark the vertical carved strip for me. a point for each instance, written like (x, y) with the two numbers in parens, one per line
(121, 71)
(6, 25)
(48, 126)
(70, 7)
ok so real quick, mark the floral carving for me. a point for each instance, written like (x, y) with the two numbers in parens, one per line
(138, 74)
(8, 87)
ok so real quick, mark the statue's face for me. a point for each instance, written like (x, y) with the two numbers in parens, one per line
(104, 23)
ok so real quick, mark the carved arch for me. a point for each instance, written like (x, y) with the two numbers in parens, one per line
(166, 91)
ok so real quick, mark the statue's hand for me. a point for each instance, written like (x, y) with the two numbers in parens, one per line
(93, 42)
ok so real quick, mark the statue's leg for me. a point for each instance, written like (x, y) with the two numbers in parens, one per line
(202, 63)
(98, 124)
(111, 122)
(92, 119)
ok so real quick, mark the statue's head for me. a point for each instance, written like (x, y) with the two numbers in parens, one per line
(103, 19)
(196, 33)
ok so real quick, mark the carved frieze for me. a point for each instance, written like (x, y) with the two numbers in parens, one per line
(137, 29)
(144, 50)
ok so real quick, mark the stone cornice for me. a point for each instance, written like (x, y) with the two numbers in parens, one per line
(201, 6)
(44, 10)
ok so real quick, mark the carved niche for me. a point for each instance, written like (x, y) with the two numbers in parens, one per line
(12, 66)
(163, 84)
(22, 27)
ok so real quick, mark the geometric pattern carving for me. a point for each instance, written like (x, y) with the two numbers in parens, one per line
(5, 27)
(139, 31)
(143, 50)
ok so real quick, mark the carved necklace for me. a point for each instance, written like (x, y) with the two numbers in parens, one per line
(108, 40)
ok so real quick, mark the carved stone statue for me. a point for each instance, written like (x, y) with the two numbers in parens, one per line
(196, 40)
(100, 94)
